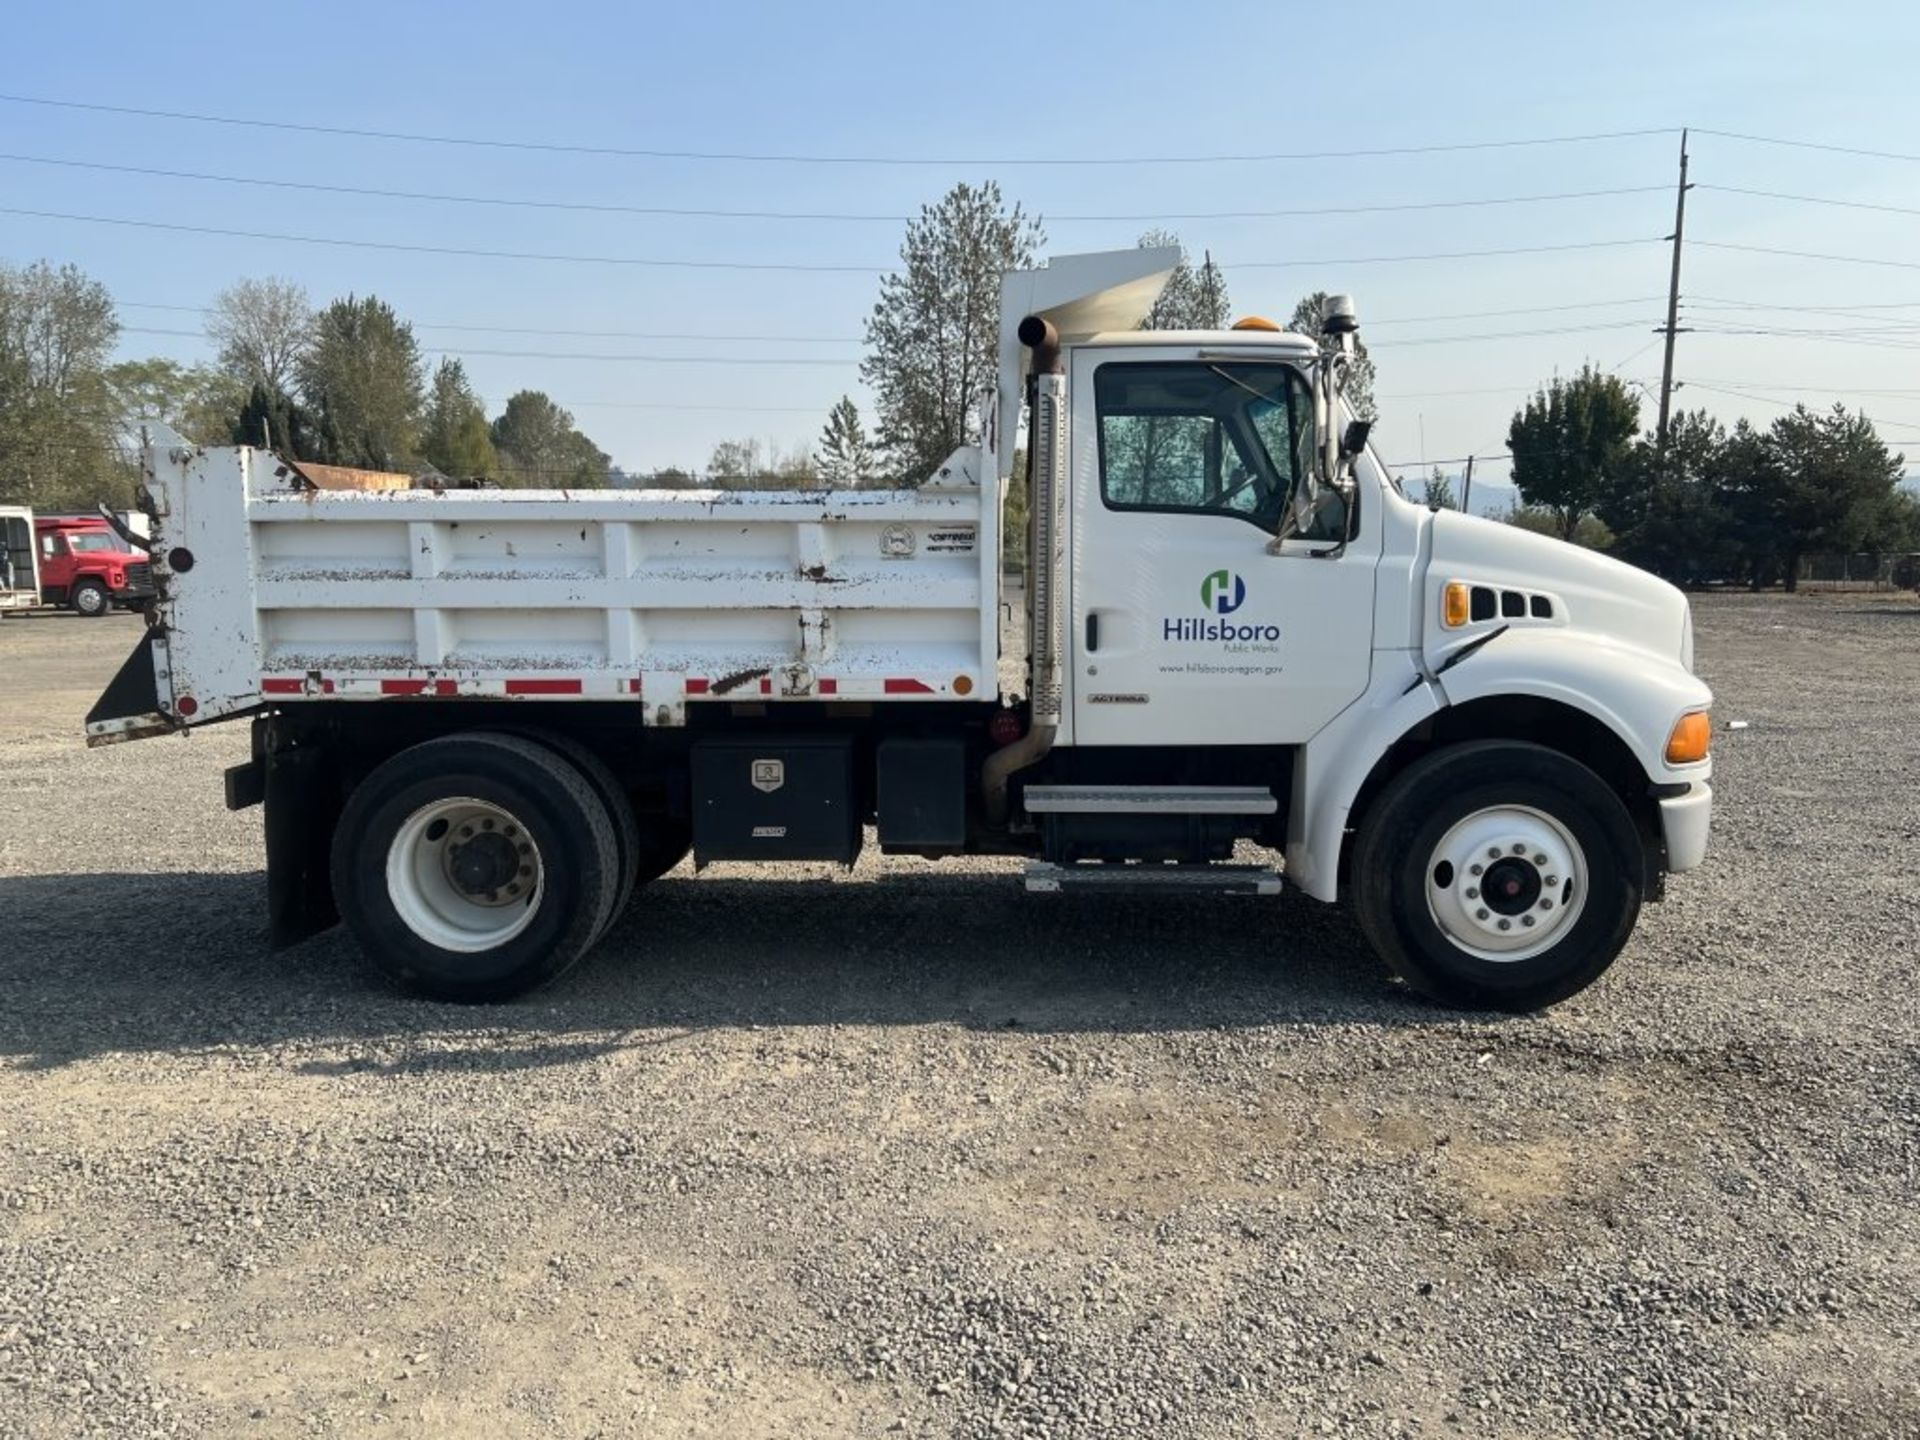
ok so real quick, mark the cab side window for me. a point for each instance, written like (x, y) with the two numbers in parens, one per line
(1201, 437)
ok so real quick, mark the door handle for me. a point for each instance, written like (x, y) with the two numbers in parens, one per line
(1093, 632)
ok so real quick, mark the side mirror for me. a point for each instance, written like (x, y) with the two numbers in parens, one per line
(1355, 440)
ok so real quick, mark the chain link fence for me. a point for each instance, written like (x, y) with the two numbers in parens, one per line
(1860, 572)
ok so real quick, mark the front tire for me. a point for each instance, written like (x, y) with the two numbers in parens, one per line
(90, 599)
(1498, 875)
(475, 867)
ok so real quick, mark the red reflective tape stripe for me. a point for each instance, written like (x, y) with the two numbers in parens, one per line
(829, 687)
(696, 687)
(906, 687)
(543, 687)
(274, 686)
(326, 687)
(766, 686)
(403, 687)
(633, 686)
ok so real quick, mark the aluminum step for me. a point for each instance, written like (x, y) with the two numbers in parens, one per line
(1045, 878)
(1150, 800)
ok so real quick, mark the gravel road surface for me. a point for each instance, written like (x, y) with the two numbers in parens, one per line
(903, 1151)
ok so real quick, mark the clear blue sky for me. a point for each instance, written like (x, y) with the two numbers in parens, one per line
(997, 84)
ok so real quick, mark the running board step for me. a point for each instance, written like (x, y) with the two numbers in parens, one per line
(1045, 878)
(1150, 800)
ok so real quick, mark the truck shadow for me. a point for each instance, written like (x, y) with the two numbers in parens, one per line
(179, 962)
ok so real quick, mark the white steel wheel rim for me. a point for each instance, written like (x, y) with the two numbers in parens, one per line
(1506, 883)
(464, 874)
(91, 600)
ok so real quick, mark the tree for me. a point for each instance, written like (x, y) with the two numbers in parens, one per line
(454, 437)
(539, 446)
(844, 457)
(1193, 299)
(361, 379)
(932, 339)
(1570, 444)
(59, 434)
(751, 465)
(1825, 485)
(273, 419)
(1360, 375)
(1670, 513)
(1439, 492)
(258, 329)
(196, 401)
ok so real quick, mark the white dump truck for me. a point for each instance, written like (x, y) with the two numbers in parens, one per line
(481, 718)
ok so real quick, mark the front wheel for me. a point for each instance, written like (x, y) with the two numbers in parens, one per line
(90, 599)
(1498, 875)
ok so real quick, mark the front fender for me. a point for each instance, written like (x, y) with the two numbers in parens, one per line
(1636, 695)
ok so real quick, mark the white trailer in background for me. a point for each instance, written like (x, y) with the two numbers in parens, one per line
(481, 717)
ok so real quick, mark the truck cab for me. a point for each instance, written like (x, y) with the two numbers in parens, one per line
(86, 567)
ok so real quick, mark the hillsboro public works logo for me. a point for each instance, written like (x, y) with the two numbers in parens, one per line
(1223, 592)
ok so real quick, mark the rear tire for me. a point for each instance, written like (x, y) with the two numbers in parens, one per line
(499, 912)
(618, 805)
(90, 599)
(1497, 875)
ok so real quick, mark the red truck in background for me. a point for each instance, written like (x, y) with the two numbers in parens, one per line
(88, 568)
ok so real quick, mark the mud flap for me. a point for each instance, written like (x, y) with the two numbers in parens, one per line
(129, 708)
(303, 803)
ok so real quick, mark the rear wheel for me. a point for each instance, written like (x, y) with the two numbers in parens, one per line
(475, 867)
(90, 599)
(1498, 875)
(618, 805)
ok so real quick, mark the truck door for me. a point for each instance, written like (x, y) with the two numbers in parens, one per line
(1187, 628)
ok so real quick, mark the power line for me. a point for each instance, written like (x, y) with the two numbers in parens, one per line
(751, 157)
(1802, 199)
(842, 361)
(569, 334)
(607, 208)
(1810, 255)
(1434, 255)
(1507, 335)
(781, 266)
(340, 241)
(1805, 145)
(1523, 310)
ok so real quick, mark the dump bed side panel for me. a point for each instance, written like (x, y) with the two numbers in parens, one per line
(271, 589)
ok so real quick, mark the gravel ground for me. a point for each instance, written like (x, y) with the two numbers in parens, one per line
(904, 1151)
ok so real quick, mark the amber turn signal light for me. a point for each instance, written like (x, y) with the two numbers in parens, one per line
(1692, 735)
(1457, 606)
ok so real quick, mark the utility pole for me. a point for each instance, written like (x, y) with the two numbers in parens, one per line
(1466, 489)
(1672, 327)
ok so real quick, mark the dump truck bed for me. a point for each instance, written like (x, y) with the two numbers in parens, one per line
(271, 590)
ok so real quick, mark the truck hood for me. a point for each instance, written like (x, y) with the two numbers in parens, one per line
(1589, 591)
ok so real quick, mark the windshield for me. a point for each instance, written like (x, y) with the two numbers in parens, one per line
(92, 540)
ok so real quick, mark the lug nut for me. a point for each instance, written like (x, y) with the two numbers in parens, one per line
(1473, 892)
(1546, 904)
(1506, 924)
(1479, 914)
(1519, 849)
(1493, 852)
(1475, 869)
(466, 829)
(1553, 879)
(1526, 920)
(1541, 861)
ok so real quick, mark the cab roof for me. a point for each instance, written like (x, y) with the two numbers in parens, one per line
(1213, 339)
